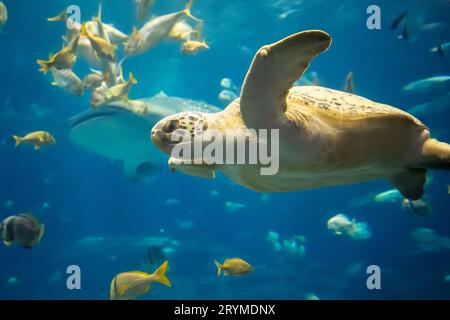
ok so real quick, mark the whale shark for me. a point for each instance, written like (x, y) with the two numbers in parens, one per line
(121, 132)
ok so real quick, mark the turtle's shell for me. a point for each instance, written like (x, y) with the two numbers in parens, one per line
(338, 105)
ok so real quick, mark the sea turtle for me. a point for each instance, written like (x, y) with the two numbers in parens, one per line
(326, 137)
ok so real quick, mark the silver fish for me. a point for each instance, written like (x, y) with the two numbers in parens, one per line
(68, 81)
(154, 31)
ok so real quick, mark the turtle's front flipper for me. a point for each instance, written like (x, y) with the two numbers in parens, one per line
(410, 183)
(272, 74)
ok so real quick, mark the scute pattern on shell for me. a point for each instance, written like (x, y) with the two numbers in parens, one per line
(342, 105)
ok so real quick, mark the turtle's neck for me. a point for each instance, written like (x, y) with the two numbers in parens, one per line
(228, 119)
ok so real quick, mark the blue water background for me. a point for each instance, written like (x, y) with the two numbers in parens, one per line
(89, 197)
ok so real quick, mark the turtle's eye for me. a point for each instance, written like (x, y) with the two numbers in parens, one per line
(170, 126)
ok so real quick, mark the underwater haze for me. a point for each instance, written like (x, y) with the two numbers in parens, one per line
(104, 221)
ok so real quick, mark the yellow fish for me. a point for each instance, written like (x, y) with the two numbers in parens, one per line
(130, 285)
(102, 47)
(233, 267)
(38, 139)
(105, 31)
(182, 31)
(3, 14)
(64, 59)
(121, 90)
(87, 53)
(192, 46)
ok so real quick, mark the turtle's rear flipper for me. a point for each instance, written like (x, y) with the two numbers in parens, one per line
(410, 183)
(435, 155)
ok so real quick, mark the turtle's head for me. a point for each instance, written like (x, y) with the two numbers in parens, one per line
(178, 128)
